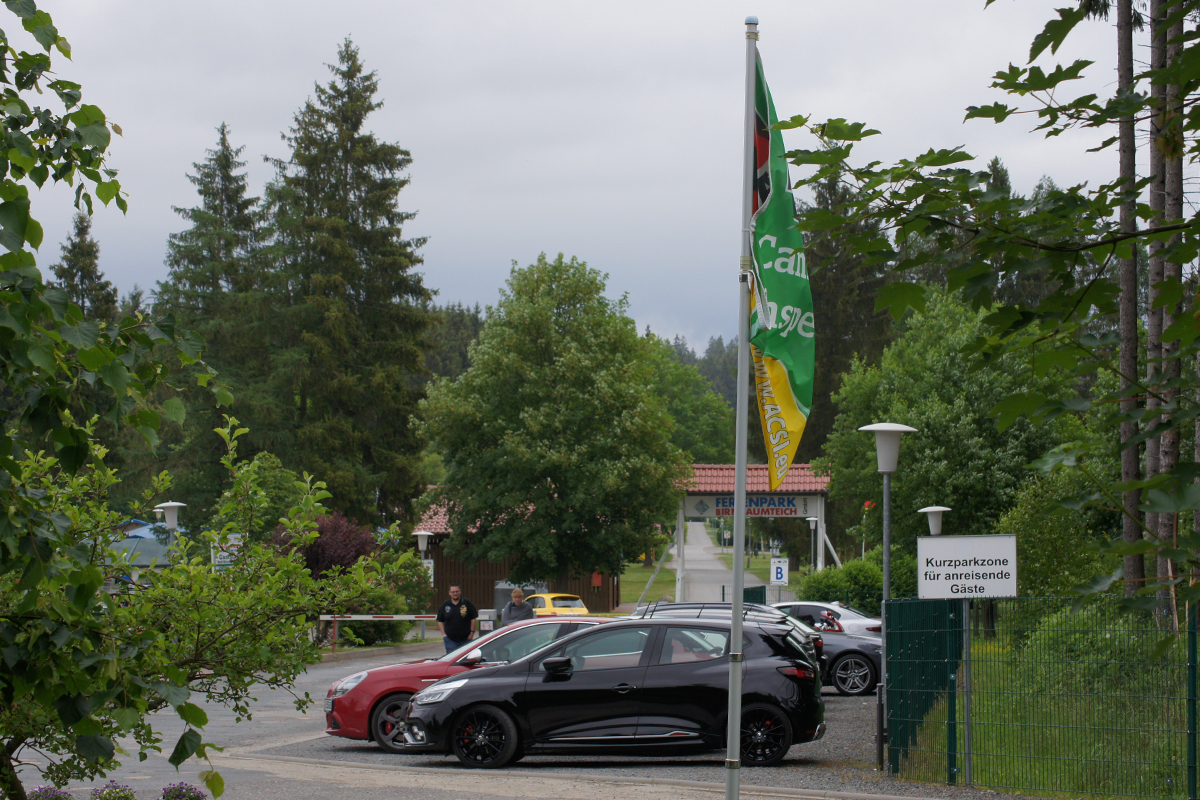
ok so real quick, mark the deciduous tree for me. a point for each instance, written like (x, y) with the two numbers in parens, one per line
(557, 448)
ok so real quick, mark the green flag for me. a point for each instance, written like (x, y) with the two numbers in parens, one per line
(781, 315)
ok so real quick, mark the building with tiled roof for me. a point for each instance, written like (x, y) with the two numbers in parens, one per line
(719, 479)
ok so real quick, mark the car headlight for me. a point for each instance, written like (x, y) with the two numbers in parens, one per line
(438, 693)
(346, 684)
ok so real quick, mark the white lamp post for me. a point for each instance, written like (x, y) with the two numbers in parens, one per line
(887, 453)
(169, 511)
(935, 518)
(422, 540)
(812, 538)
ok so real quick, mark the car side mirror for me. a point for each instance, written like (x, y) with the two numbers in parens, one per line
(557, 665)
(474, 657)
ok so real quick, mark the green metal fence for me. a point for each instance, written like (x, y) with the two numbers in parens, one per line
(1025, 694)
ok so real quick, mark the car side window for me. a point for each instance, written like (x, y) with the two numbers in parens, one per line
(537, 602)
(520, 642)
(608, 649)
(689, 645)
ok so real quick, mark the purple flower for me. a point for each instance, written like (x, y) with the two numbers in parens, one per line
(183, 791)
(47, 793)
(113, 791)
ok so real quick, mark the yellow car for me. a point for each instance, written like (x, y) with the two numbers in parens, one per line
(553, 605)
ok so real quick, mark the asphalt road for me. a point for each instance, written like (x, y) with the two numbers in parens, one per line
(284, 754)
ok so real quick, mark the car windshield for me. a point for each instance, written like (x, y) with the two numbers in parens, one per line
(854, 610)
(568, 602)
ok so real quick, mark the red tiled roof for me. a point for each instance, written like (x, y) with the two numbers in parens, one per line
(435, 520)
(706, 479)
(718, 478)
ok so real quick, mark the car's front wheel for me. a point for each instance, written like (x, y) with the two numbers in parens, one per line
(484, 736)
(853, 674)
(387, 721)
(766, 735)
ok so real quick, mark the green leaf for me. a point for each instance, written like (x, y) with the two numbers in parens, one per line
(223, 396)
(33, 229)
(87, 114)
(1160, 502)
(174, 410)
(187, 745)
(997, 111)
(107, 190)
(22, 8)
(174, 695)
(95, 135)
(213, 780)
(899, 296)
(193, 715)
(126, 718)
(1170, 292)
(82, 336)
(14, 218)
(1056, 30)
(840, 130)
(94, 747)
(1016, 405)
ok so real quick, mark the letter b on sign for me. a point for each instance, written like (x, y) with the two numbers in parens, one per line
(779, 572)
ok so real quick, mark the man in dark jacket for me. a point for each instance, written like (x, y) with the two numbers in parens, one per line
(456, 619)
(516, 609)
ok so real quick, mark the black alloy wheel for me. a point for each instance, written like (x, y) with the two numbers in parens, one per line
(853, 674)
(766, 735)
(387, 721)
(485, 737)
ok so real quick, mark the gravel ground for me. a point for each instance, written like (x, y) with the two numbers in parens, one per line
(843, 761)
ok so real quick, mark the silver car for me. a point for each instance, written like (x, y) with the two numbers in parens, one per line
(833, 617)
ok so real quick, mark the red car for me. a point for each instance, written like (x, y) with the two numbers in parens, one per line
(372, 704)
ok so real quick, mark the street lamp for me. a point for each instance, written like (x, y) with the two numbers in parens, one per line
(812, 539)
(422, 540)
(935, 518)
(169, 510)
(887, 453)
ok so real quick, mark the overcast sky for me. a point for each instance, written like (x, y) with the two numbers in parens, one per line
(607, 130)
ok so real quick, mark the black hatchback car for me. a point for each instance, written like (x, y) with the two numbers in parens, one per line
(640, 686)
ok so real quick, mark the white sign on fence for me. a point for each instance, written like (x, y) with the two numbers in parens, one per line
(779, 572)
(427, 563)
(966, 566)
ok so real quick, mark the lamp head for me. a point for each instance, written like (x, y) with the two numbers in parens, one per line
(887, 443)
(169, 513)
(812, 522)
(934, 514)
(422, 540)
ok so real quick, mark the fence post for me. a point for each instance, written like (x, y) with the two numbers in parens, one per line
(951, 733)
(968, 778)
(1191, 701)
(333, 647)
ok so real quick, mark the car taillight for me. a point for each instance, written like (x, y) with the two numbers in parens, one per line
(799, 673)
(818, 642)
(875, 628)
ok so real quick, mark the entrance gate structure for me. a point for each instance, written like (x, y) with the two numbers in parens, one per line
(710, 496)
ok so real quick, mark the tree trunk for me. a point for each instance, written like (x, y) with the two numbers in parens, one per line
(1157, 198)
(1130, 466)
(1172, 270)
(10, 784)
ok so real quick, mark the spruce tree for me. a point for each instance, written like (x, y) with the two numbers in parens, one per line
(79, 275)
(351, 336)
(216, 285)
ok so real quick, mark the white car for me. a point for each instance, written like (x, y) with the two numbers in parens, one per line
(836, 617)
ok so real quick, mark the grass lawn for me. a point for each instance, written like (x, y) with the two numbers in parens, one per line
(634, 578)
(760, 566)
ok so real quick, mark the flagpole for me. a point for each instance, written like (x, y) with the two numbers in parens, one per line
(733, 736)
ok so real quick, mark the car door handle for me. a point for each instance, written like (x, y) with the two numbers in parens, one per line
(622, 688)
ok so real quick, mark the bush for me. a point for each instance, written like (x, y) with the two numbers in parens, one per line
(410, 593)
(183, 791)
(113, 791)
(48, 793)
(859, 583)
(340, 543)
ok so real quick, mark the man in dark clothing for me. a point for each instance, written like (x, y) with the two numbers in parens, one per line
(456, 619)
